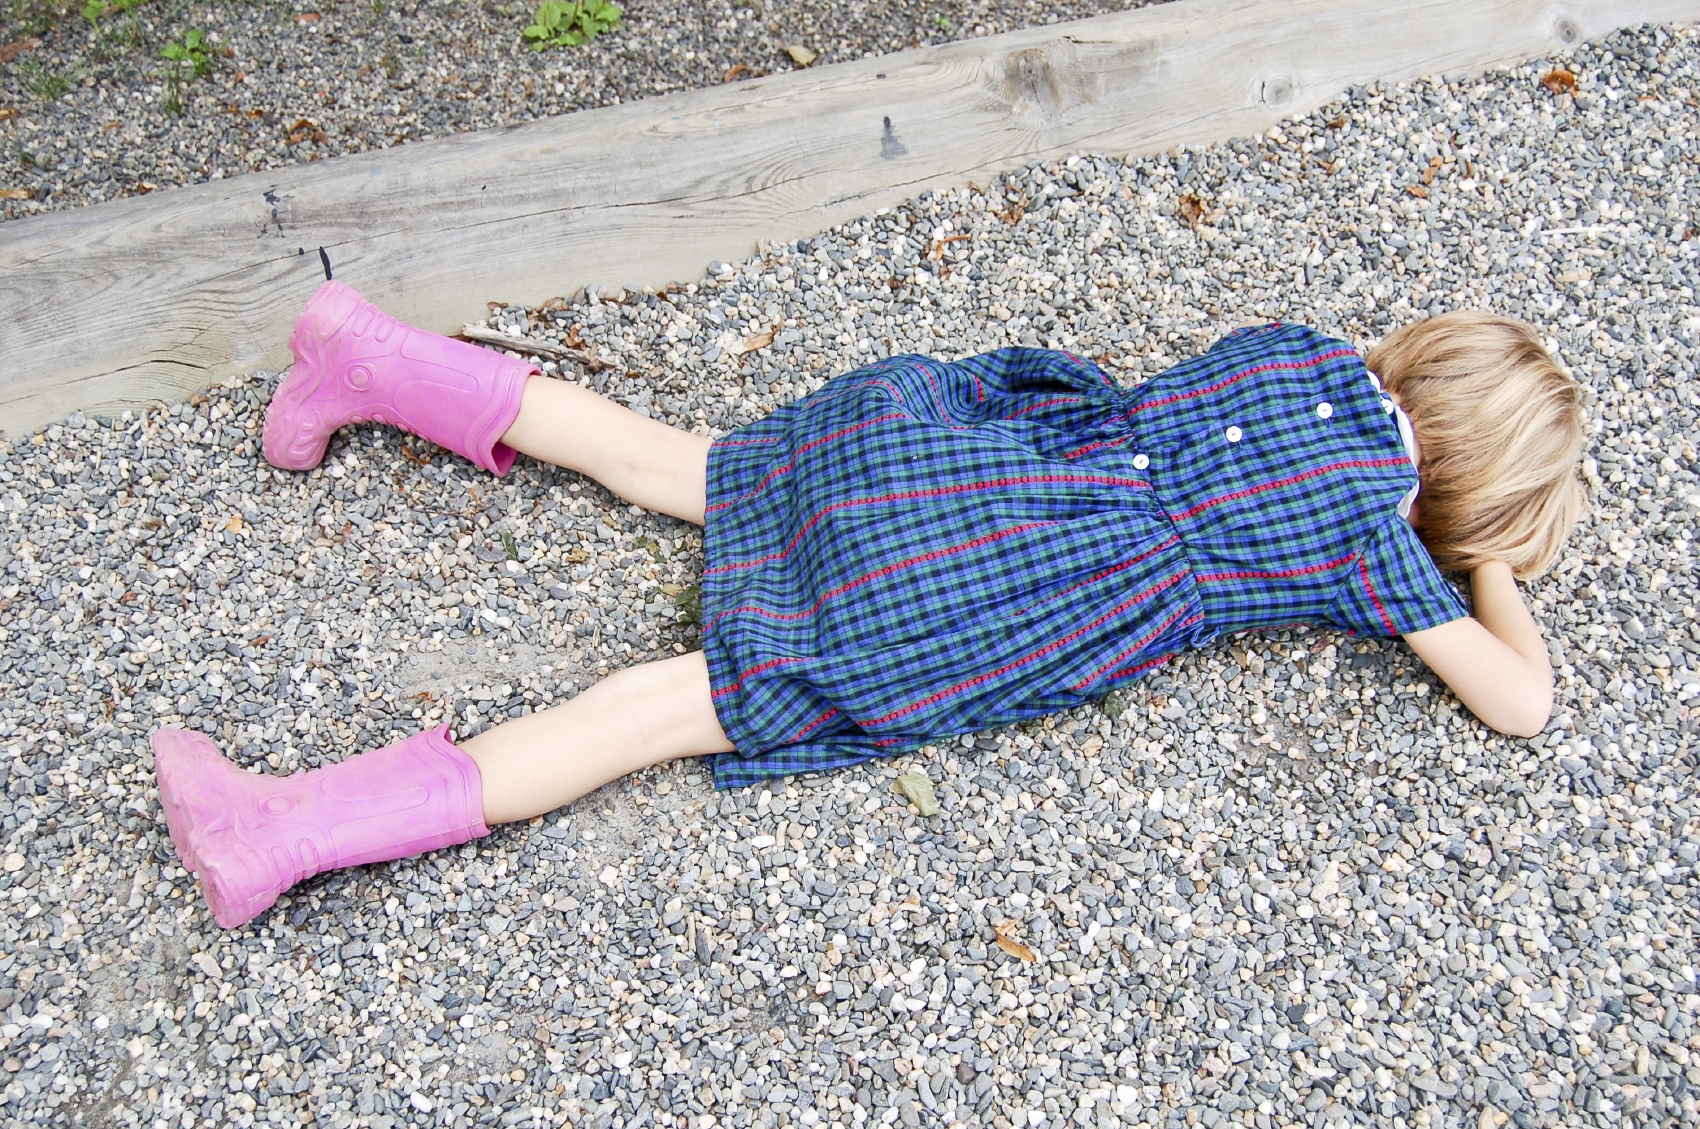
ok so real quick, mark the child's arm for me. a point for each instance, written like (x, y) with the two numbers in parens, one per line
(1496, 662)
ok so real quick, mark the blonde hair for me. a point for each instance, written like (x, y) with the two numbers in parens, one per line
(1499, 437)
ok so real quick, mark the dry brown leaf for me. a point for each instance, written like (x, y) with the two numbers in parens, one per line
(17, 47)
(8, 113)
(1418, 191)
(16, 194)
(1011, 946)
(1190, 209)
(736, 70)
(801, 55)
(1560, 81)
(937, 251)
(758, 341)
(306, 17)
(234, 525)
(1012, 214)
(1017, 949)
(305, 130)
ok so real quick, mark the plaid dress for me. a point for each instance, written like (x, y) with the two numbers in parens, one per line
(922, 548)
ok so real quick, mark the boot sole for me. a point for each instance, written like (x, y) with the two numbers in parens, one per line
(183, 760)
(228, 907)
(179, 763)
(282, 438)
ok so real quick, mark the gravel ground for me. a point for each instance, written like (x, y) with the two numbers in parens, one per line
(1286, 881)
(84, 116)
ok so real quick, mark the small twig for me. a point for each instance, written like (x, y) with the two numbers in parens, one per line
(526, 345)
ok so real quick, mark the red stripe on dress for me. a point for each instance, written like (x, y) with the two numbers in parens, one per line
(759, 668)
(1148, 664)
(1025, 659)
(1221, 384)
(1045, 404)
(786, 469)
(1096, 367)
(804, 732)
(744, 442)
(1152, 634)
(938, 398)
(886, 570)
(936, 492)
(1282, 482)
(1248, 574)
(1097, 446)
(1363, 570)
(1111, 571)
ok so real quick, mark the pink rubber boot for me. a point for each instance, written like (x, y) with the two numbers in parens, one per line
(252, 837)
(356, 364)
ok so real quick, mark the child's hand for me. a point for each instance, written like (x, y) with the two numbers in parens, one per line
(1496, 662)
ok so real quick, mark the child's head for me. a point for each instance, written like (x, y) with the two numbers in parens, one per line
(1499, 436)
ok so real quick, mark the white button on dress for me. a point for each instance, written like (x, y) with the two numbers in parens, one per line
(1325, 409)
(1234, 434)
(1140, 462)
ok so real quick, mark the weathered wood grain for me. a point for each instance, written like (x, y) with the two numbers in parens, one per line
(121, 303)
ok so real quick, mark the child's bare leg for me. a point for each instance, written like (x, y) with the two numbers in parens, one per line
(645, 462)
(640, 716)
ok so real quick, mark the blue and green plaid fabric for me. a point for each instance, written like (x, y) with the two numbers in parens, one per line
(922, 548)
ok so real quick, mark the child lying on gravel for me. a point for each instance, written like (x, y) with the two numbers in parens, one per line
(923, 548)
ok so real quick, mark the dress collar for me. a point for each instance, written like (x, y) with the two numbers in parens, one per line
(1407, 436)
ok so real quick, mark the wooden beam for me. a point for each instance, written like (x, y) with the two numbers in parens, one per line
(135, 300)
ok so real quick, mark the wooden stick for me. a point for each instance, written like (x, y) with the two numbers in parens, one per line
(531, 347)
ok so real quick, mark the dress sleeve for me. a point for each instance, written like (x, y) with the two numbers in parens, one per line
(1394, 587)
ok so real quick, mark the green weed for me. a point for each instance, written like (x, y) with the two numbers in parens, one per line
(117, 24)
(569, 23)
(185, 60)
(193, 52)
(96, 10)
(33, 17)
(942, 22)
(687, 598)
(45, 83)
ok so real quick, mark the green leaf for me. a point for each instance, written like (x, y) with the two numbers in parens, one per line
(571, 23)
(689, 602)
